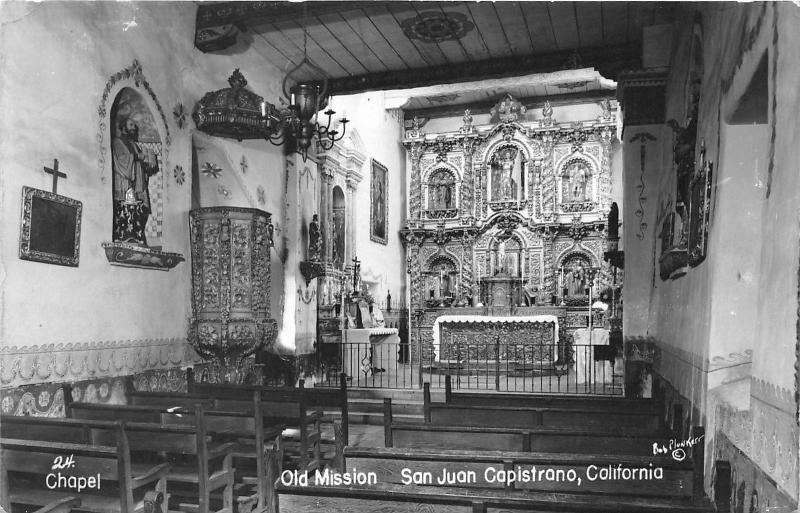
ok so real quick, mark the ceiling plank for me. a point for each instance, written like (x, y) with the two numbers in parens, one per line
(615, 22)
(334, 47)
(293, 54)
(294, 33)
(430, 52)
(539, 24)
(374, 43)
(236, 13)
(565, 27)
(531, 103)
(515, 28)
(488, 28)
(457, 46)
(608, 60)
(590, 23)
(394, 35)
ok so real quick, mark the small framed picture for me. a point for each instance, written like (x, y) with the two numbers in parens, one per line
(51, 228)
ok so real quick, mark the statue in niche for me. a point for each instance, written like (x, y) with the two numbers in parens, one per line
(132, 165)
(508, 173)
(501, 266)
(575, 278)
(314, 240)
(441, 188)
(578, 176)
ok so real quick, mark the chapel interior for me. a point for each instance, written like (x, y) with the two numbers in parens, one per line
(243, 242)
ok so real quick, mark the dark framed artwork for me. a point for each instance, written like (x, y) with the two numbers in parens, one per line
(51, 228)
(699, 207)
(378, 214)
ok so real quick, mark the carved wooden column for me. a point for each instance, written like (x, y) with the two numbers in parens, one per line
(604, 199)
(350, 237)
(230, 290)
(415, 191)
(467, 184)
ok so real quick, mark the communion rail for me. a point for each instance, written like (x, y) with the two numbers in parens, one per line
(494, 365)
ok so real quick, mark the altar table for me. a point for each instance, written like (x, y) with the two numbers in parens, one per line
(544, 327)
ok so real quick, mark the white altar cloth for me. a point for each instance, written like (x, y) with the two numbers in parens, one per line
(483, 319)
(586, 368)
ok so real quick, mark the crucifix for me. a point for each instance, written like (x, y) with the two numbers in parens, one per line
(356, 274)
(56, 174)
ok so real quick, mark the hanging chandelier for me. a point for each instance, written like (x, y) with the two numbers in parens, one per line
(300, 123)
(238, 113)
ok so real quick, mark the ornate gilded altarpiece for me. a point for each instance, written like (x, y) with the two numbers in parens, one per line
(517, 204)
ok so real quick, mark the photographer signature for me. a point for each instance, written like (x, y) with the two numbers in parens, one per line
(676, 448)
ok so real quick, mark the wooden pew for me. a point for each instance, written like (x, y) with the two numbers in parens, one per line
(412, 499)
(328, 398)
(568, 473)
(245, 429)
(531, 439)
(197, 463)
(140, 488)
(514, 416)
(586, 403)
(230, 398)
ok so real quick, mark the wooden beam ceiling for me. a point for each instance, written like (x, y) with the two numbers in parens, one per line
(609, 61)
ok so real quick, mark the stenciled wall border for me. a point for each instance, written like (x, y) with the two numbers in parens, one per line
(82, 361)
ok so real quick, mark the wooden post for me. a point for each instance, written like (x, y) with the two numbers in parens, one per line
(261, 487)
(698, 460)
(722, 485)
(67, 391)
(448, 388)
(677, 421)
(123, 468)
(426, 395)
(345, 408)
(497, 364)
(478, 507)
(190, 380)
(508, 466)
(271, 473)
(202, 461)
(387, 422)
(338, 460)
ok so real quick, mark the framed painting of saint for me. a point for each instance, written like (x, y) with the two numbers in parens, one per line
(379, 216)
(51, 228)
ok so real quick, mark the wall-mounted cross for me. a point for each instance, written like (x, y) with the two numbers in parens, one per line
(56, 175)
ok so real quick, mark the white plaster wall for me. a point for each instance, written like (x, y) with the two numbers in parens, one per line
(381, 131)
(745, 294)
(638, 216)
(56, 60)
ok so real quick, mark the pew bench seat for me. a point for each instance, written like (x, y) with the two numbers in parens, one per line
(410, 498)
